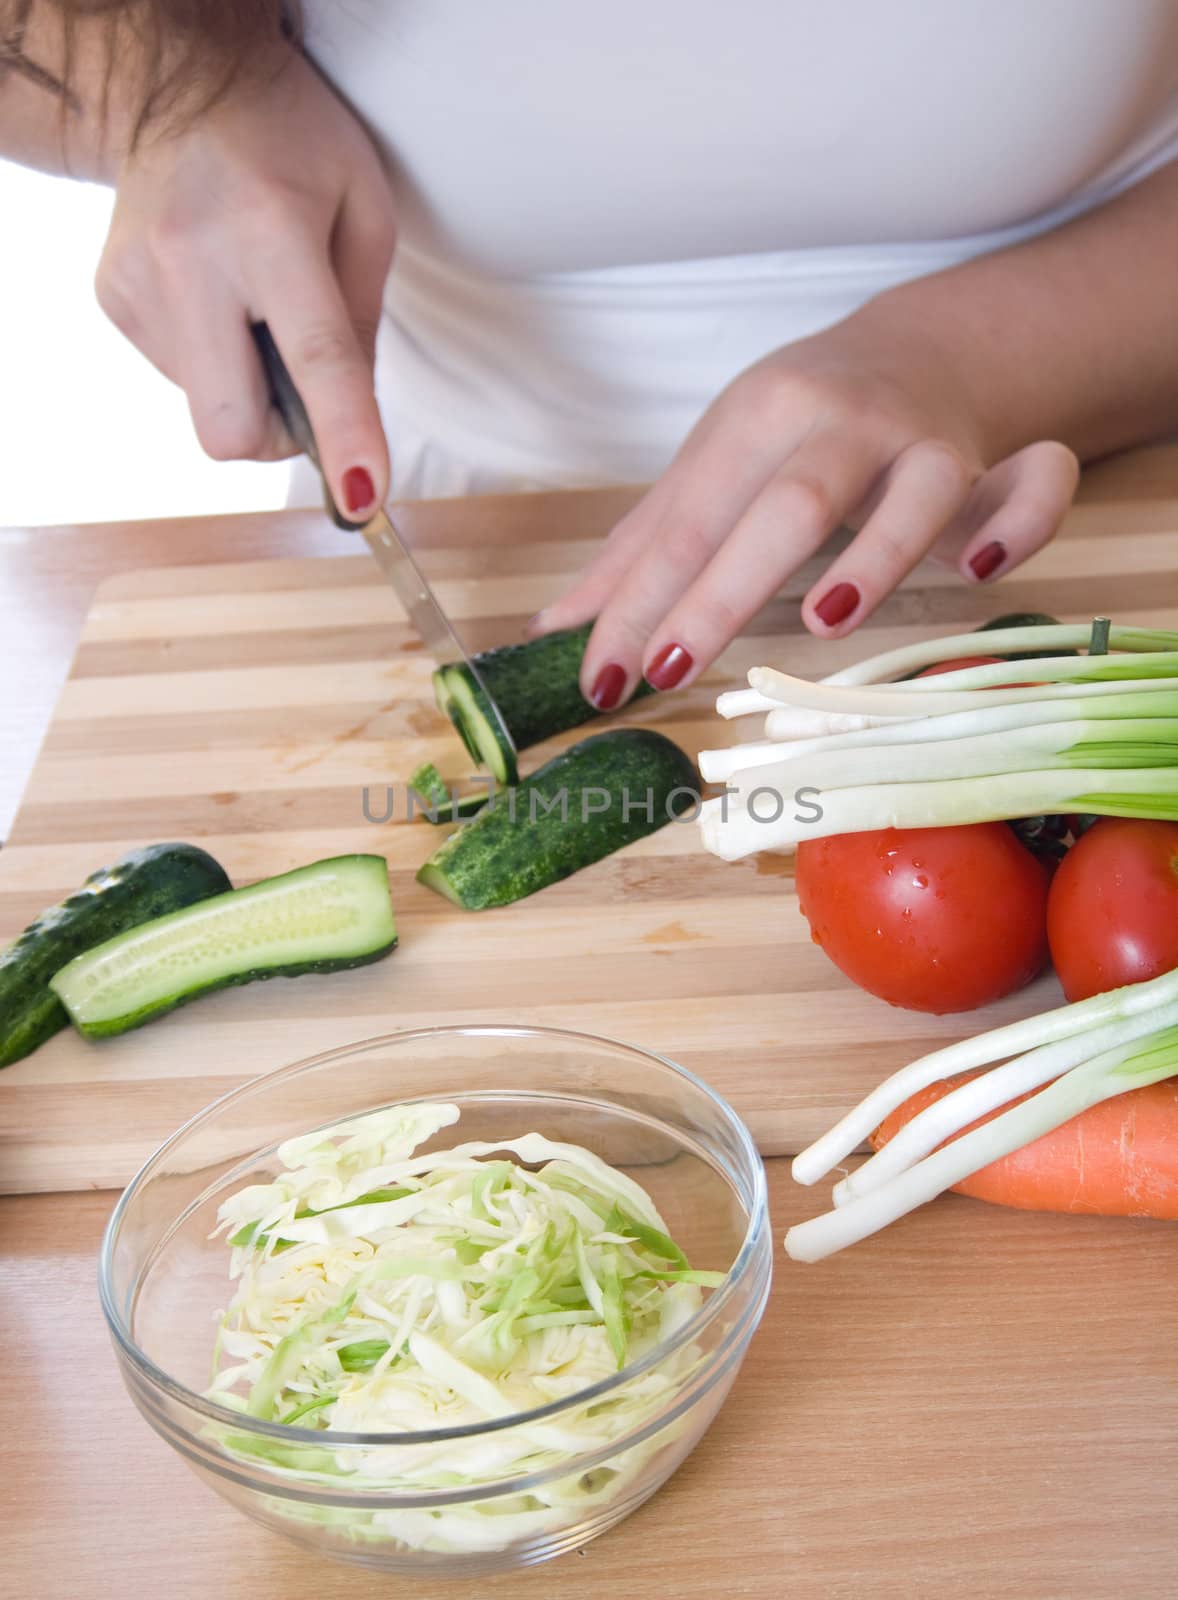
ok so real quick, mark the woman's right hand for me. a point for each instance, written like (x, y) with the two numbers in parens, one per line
(273, 205)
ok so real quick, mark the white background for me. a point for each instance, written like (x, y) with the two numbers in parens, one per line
(89, 431)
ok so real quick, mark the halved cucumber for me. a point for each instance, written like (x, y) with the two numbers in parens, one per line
(331, 915)
(589, 801)
(142, 885)
(536, 687)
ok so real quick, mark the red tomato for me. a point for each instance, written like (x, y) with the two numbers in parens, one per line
(959, 666)
(933, 919)
(1112, 915)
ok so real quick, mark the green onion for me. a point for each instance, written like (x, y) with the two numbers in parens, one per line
(1098, 734)
(1009, 641)
(362, 1354)
(1085, 1053)
(1111, 1072)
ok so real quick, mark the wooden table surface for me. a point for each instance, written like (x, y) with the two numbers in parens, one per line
(984, 1406)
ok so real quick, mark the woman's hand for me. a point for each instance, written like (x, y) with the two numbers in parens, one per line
(274, 206)
(860, 425)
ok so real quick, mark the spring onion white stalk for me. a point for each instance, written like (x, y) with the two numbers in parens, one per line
(1082, 1018)
(742, 703)
(1110, 1072)
(1068, 677)
(1094, 733)
(995, 642)
(803, 722)
(717, 766)
(1076, 745)
(772, 823)
(979, 1096)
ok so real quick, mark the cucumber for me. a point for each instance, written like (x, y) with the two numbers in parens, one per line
(1025, 619)
(322, 918)
(142, 885)
(440, 804)
(529, 837)
(1019, 619)
(536, 688)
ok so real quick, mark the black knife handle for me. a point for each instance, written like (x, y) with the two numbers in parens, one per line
(288, 402)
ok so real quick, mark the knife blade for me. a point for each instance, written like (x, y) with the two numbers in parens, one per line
(393, 556)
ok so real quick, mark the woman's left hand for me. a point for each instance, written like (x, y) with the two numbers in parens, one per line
(858, 426)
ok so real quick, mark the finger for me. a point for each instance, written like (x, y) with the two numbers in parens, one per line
(598, 580)
(218, 369)
(125, 289)
(300, 298)
(796, 511)
(1026, 498)
(723, 464)
(362, 244)
(927, 485)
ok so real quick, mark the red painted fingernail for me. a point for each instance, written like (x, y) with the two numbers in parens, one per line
(987, 560)
(669, 667)
(358, 490)
(607, 686)
(837, 604)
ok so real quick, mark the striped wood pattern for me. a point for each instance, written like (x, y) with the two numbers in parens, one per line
(247, 706)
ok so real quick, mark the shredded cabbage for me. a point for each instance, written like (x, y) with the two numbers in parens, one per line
(384, 1291)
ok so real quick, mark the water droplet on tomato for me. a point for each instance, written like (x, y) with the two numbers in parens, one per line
(920, 880)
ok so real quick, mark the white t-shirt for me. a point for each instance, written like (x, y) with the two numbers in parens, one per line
(608, 210)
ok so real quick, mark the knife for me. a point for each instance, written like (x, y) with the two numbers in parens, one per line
(393, 556)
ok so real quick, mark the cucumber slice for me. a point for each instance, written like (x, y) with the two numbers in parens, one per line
(331, 915)
(427, 784)
(583, 805)
(536, 687)
(430, 788)
(459, 696)
(142, 885)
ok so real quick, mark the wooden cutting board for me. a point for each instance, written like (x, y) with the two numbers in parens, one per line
(249, 707)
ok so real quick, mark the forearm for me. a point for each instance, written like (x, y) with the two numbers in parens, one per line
(1071, 336)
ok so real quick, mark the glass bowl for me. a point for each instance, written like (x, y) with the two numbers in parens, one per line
(164, 1283)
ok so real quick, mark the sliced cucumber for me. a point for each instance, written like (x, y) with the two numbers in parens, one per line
(536, 687)
(440, 804)
(428, 785)
(321, 918)
(142, 885)
(583, 805)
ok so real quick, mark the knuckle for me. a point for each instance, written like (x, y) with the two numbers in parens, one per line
(228, 433)
(627, 632)
(891, 551)
(114, 297)
(1064, 460)
(169, 237)
(366, 330)
(270, 213)
(943, 461)
(892, 546)
(771, 400)
(325, 346)
(804, 502)
(714, 616)
(689, 543)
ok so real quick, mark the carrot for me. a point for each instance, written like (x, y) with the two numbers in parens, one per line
(1117, 1159)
